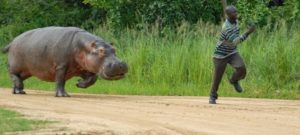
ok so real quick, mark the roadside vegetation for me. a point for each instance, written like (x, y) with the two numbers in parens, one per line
(11, 121)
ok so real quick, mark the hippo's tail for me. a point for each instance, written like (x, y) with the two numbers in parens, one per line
(6, 49)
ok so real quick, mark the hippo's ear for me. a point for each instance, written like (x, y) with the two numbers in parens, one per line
(113, 46)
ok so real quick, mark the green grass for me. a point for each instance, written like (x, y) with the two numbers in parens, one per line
(11, 121)
(180, 63)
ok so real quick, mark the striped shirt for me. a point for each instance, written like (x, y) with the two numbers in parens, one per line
(231, 34)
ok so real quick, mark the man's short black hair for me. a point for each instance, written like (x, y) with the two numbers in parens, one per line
(229, 8)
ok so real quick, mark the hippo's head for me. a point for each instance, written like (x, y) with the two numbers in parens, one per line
(100, 58)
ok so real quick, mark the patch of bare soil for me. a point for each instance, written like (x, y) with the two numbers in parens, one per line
(146, 115)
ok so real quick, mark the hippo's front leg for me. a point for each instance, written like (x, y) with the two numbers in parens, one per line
(87, 80)
(60, 82)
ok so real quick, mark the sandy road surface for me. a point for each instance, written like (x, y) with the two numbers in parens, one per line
(144, 115)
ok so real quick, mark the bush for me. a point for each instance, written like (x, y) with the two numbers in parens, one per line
(17, 16)
(257, 11)
(132, 13)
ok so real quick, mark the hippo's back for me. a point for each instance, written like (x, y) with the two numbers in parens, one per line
(45, 36)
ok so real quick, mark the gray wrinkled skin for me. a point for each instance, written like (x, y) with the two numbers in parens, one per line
(57, 54)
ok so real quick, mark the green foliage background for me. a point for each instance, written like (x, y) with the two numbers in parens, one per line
(257, 11)
(168, 44)
(172, 12)
(17, 16)
(21, 15)
(166, 12)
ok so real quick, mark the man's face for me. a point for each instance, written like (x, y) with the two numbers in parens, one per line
(232, 14)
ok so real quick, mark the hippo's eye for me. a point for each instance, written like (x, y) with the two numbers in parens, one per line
(101, 52)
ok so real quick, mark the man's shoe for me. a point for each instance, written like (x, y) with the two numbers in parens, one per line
(213, 98)
(238, 88)
(212, 101)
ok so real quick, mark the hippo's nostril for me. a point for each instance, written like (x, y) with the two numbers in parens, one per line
(111, 65)
(121, 66)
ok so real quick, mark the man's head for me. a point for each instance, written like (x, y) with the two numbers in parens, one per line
(231, 12)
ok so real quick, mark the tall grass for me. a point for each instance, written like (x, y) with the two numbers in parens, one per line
(179, 62)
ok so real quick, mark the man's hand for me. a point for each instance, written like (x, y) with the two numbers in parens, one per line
(251, 28)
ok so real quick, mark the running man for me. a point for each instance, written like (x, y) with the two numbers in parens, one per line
(226, 52)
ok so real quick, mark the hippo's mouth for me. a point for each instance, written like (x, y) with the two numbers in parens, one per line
(113, 71)
(112, 77)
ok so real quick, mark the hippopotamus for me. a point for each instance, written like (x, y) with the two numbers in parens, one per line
(56, 54)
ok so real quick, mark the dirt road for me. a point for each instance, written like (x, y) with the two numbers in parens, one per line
(144, 115)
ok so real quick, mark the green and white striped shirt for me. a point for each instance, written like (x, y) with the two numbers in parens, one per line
(230, 33)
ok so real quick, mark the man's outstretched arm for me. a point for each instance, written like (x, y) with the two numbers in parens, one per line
(234, 39)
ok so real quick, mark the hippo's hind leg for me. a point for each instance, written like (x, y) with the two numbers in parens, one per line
(18, 79)
(60, 82)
